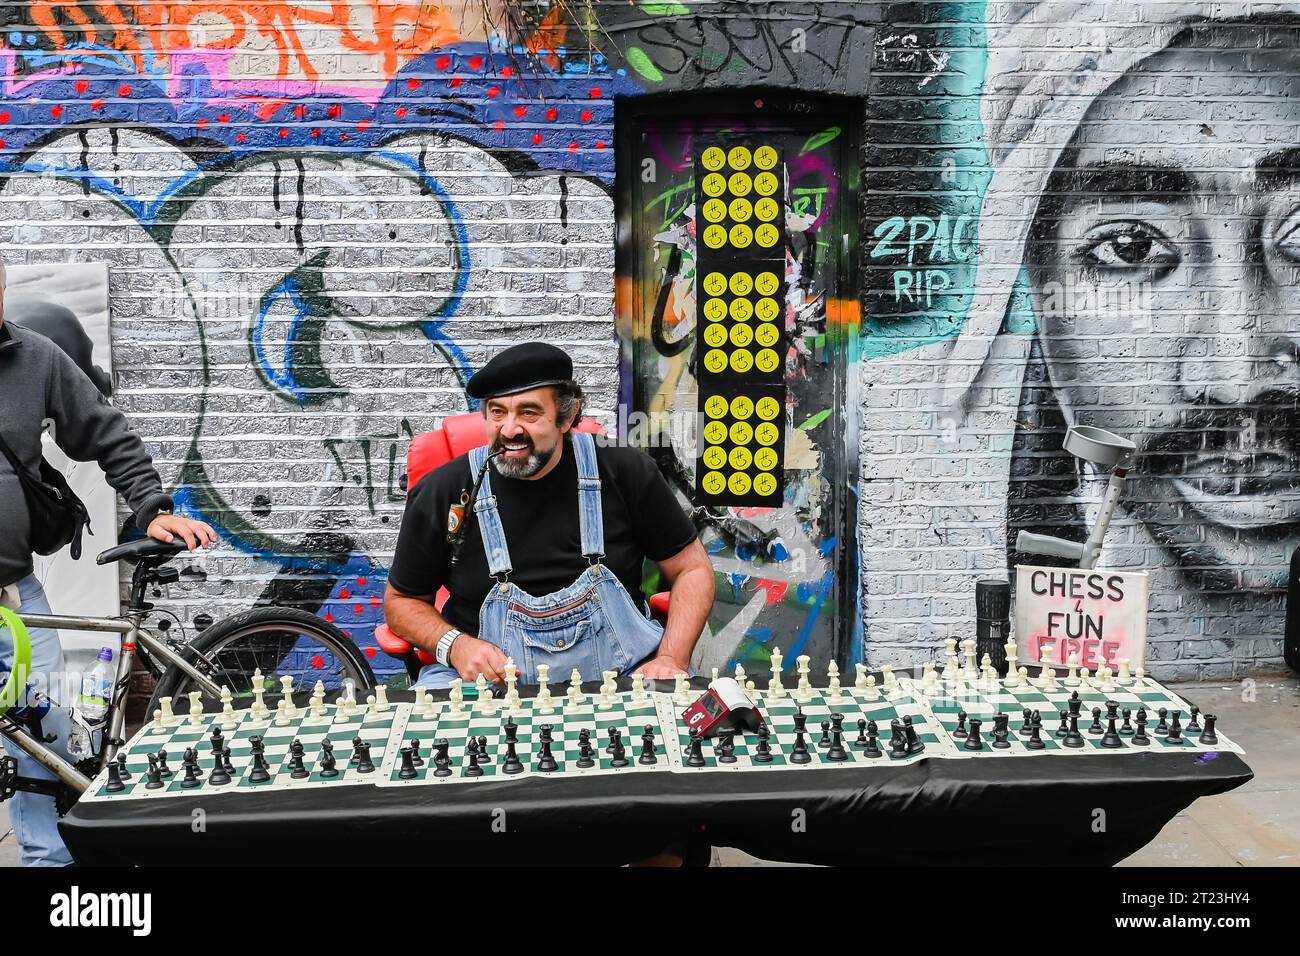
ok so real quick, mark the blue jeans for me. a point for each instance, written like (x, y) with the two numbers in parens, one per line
(33, 816)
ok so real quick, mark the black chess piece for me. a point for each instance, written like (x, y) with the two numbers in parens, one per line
(512, 763)
(647, 755)
(613, 732)
(217, 741)
(1035, 741)
(873, 741)
(327, 762)
(363, 758)
(115, 784)
(897, 740)
(619, 757)
(415, 753)
(1026, 722)
(799, 751)
(1162, 727)
(125, 773)
(442, 757)
(1111, 738)
(164, 771)
(1175, 735)
(1001, 732)
(800, 721)
(694, 749)
(1140, 738)
(472, 769)
(914, 743)
(512, 731)
(258, 772)
(825, 740)
(356, 752)
(726, 750)
(226, 762)
(1096, 727)
(836, 752)
(546, 762)
(960, 730)
(1194, 725)
(297, 771)
(1064, 729)
(219, 776)
(1208, 737)
(191, 767)
(763, 753)
(1126, 728)
(408, 771)
(973, 740)
(153, 779)
(1075, 703)
(862, 733)
(1112, 710)
(1073, 737)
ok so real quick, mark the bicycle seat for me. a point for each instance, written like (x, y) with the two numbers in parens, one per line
(140, 549)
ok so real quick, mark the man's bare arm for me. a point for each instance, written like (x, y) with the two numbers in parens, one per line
(416, 621)
(691, 577)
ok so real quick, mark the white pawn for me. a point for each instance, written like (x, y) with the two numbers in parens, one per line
(804, 689)
(372, 707)
(1046, 672)
(930, 685)
(1023, 676)
(158, 725)
(381, 699)
(281, 713)
(1072, 678)
(1106, 685)
(196, 708)
(286, 692)
(969, 673)
(228, 719)
(1124, 678)
(544, 701)
(1141, 678)
(715, 675)
(860, 682)
(167, 716)
(951, 666)
(870, 692)
(681, 690)
(575, 690)
(1013, 672)
(318, 699)
(1085, 676)
(487, 702)
(833, 680)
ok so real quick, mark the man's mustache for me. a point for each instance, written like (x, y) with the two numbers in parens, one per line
(500, 443)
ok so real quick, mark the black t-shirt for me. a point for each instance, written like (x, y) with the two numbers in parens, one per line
(540, 517)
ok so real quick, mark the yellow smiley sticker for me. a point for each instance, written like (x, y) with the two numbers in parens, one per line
(767, 235)
(742, 434)
(740, 209)
(715, 236)
(739, 184)
(768, 408)
(741, 283)
(738, 483)
(765, 459)
(766, 209)
(739, 157)
(715, 360)
(741, 335)
(766, 433)
(767, 310)
(742, 361)
(714, 185)
(739, 459)
(715, 283)
(767, 283)
(713, 158)
(714, 458)
(716, 335)
(765, 157)
(741, 407)
(764, 183)
(715, 310)
(741, 310)
(767, 360)
(765, 485)
(715, 406)
(715, 433)
(767, 334)
(741, 235)
(715, 210)
(713, 483)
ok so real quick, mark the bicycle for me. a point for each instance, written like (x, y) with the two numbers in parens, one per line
(277, 641)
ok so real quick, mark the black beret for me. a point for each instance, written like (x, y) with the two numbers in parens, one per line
(519, 368)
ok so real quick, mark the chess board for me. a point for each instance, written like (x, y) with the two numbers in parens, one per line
(984, 703)
(391, 727)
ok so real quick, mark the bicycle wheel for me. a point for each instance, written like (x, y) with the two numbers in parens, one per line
(278, 641)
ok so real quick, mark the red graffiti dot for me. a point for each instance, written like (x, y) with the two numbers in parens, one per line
(4, 118)
(240, 137)
(357, 609)
(124, 90)
(521, 111)
(552, 114)
(284, 133)
(362, 125)
(401, 112)
(318, 662)
(315, 134)
(412, 84)
(81, 86)
(499, 125)
(442, 62)
(223, 117)
(476, 63)
(361, 582)
(594, 93)
(600, 144)
(2, 144)
(586, 116)
(343, 137)
(329, 617)
(573, 147)
(494, 92)
(203, 123)
(300, 111)
(345, 594)
(334, 111)
(455, 82)
(370, 651)
(56, 111)
(537, 139)
(374, 602)
(96, 104)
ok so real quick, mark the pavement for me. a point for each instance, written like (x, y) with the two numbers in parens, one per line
(1255, 825)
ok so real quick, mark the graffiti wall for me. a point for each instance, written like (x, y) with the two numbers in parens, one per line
(321, 218)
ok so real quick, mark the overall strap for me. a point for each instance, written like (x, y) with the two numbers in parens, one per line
(489, 519)
(590, 517)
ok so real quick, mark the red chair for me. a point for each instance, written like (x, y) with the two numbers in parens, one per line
(458, 435)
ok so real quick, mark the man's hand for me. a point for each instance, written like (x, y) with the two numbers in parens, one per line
(196, 534)
(662, 668)
(471, 657)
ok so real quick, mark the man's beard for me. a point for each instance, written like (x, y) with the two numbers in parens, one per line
(520, 467)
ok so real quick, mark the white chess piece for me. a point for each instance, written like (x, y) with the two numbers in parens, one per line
(1085, 676)
(481, 691)
(168, 717)
(574, 694)
(804, 690)
(860, 681)
(890, 682)
(1013, 672)
(715, 675)
(381, 699)
(1141, 678)
(318, 699)
(969, 673)
(1046, 672)
(740, 675)
(775, 689)
(1106, 685)
(833, 680)
(511, 673)
(259, 693)
(681, 690)
(158, 725)
(372, 707)
(608, 686)
(930, 685)
(638, 688)
(870, 691)
(1124, 678)
(1072, 678)
(282, 712)
(544, 702)
(196, 708)
(1022, 676)
(951, 666)
(228, 719)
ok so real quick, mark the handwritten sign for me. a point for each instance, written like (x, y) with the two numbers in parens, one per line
(1100, 615)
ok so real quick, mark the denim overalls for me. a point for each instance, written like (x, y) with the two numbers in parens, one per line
(592, 625)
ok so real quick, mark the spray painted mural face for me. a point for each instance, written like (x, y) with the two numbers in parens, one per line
(1166, 282)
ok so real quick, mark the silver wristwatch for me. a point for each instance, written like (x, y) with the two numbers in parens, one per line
(443, 651)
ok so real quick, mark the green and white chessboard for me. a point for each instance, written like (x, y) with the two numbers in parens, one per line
(934, 717)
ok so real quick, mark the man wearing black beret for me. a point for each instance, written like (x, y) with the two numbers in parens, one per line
(539, 537)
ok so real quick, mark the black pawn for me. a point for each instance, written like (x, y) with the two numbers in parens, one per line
(763, 753)
(694, 754)
(327, 761)
(974, 741)
(862, 733)
(619, 757)
(647, 755)
(613, 735)
(1026, 722)
(1035, 741)
(1126, 728)
(472, 769)
(825, 740)
(125, 774)
(914, 743)
(960, 730)
(1162, 727)
(363, 758)
(1111, 738)
(442, 757)
(1096, 727)
(163, 770)
(115, 784)
(1064, 729)
(726, 747)
(408, 771)
(1194, 725)
(873, 741)
(1175, 729)
(1140, 738)
(356, 751)
(1073, 738)
(585, 757)
(1001, 732)
(191, 775)
(897, 740)
(1208, 736)
(546, 762)
(226, 762)
(153, 779)
(297, 771)
(415, 753)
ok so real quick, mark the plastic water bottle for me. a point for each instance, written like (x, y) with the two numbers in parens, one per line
(92, 704)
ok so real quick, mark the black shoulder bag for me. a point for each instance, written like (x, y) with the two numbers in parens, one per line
(57, 514)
